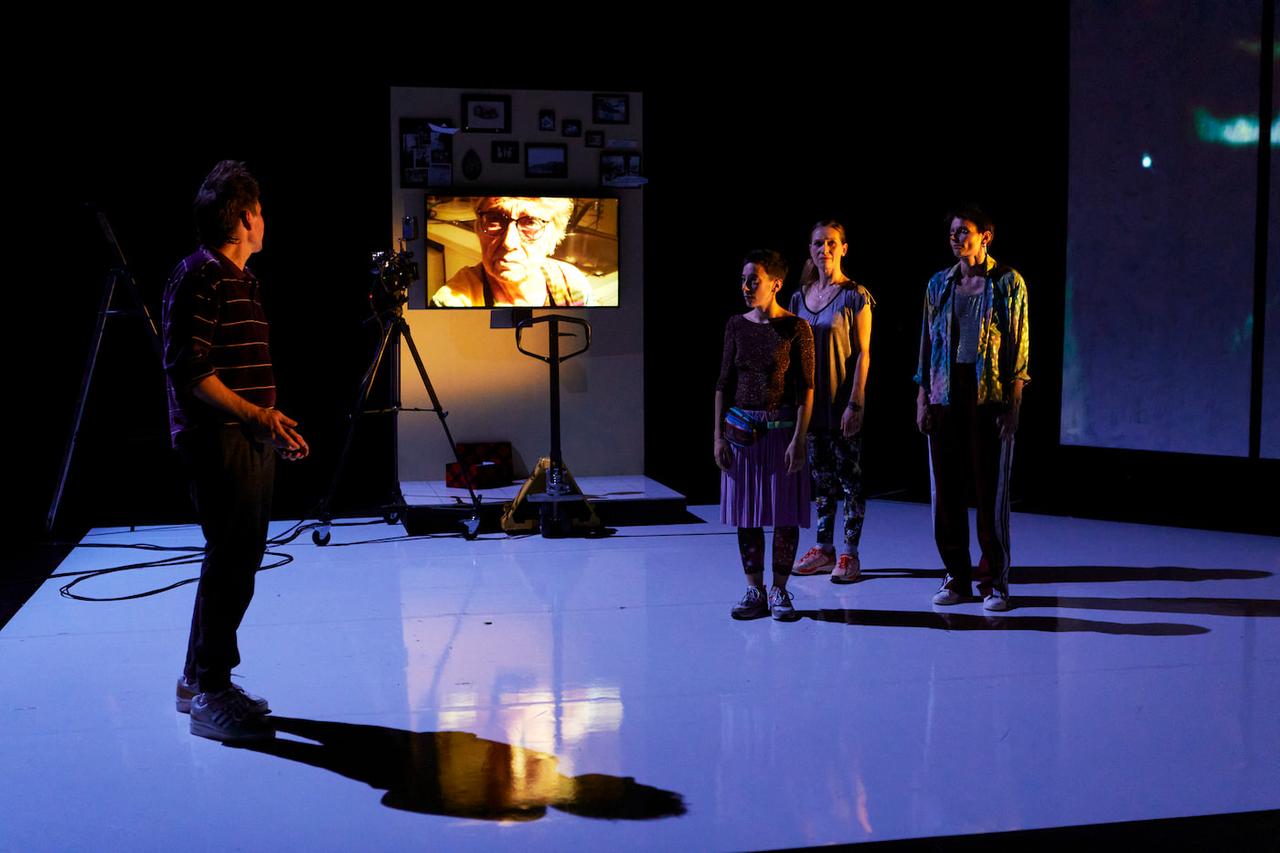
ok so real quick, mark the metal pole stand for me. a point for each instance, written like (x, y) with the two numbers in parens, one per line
(561, 503)
(118, 275)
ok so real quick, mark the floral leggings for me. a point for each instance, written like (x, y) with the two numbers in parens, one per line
(836, 465)
(751, 547)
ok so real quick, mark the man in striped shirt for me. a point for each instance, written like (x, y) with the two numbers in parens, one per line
(224, 423)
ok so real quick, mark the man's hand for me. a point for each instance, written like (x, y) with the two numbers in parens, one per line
(266, 424)
(278, 428)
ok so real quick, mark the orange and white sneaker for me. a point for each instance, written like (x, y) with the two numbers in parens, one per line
(848, 569)
(815, 561)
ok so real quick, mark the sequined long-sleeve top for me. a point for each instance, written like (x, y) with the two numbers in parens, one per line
(766, 366)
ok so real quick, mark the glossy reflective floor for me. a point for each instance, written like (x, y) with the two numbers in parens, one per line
(433, 692)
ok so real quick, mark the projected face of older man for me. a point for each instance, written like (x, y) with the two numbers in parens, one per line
(516, 237)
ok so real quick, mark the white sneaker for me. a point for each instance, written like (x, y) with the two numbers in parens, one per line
(848, 569)
(996, 600)
(815, 561)
(947, 594)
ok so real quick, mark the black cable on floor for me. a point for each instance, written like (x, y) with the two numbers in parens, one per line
(190, 555)
(66, 592)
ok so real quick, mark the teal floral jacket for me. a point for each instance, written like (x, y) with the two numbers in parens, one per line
(1003, 340)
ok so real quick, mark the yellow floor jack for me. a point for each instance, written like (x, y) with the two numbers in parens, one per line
(550, 500)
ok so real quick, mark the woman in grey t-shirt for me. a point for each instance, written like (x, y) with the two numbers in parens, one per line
(839, 310)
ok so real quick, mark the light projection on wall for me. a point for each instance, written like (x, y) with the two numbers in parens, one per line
(1241, 130)
(1162, 201)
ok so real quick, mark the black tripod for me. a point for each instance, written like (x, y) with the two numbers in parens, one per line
(388, 297)
(118, 276)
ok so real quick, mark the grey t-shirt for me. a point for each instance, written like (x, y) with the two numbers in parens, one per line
(835, 350)
(968, 308)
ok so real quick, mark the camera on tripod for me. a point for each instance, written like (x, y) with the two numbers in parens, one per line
(393, 273)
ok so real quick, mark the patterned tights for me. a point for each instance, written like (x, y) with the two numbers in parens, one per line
(751, 547)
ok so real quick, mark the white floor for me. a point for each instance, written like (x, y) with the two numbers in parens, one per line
(468, 682)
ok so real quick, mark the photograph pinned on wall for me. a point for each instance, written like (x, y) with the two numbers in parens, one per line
(426, 152)
(547, 120)
(486, 113)
(505, 151)
(621, 169)
(595, 138)
(610, 109)
(546, 160)
(571, 127)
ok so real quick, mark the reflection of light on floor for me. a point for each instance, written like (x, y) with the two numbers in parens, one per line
(599, 709)
(530, 717)
(863, 817)
(459, 712)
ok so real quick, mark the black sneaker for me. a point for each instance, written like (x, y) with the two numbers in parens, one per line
(227, 716)
(752, 605)
(187, 691)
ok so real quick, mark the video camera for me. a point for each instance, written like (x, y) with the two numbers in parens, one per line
(393, 273)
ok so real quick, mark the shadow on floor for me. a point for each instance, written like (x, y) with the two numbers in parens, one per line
(461, 775)
(1087, 574)
(28, 567)
(1205, 606)
(955, 621)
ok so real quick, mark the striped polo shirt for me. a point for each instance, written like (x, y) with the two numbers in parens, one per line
(214, 324)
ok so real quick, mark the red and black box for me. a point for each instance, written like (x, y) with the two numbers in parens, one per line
(488, 464)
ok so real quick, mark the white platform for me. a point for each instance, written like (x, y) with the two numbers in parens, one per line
(612, 488)
(1138, 678)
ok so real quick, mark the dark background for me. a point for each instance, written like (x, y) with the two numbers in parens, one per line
(744, 145)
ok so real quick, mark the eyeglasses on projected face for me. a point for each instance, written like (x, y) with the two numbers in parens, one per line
(497, 222)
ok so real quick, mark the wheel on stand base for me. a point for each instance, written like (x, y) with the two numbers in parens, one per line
(320, 536)
(391, 516)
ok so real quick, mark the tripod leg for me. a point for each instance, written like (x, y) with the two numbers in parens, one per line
(366, 384)
(108, 293)
(473, 525)
(156, 343)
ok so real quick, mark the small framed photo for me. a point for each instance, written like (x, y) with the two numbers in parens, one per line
(620, 169)
(505, 151)
(571, 127)
(546, 160)
(486, 113)
(595, 138)
(610, 109)
(547, 120)
(426, 153)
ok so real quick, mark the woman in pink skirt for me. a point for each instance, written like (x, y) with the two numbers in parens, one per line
(767, 373)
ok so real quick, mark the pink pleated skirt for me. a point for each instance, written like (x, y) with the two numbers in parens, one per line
(757, 491)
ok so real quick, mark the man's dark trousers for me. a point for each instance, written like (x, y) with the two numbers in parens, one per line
(231, 475)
